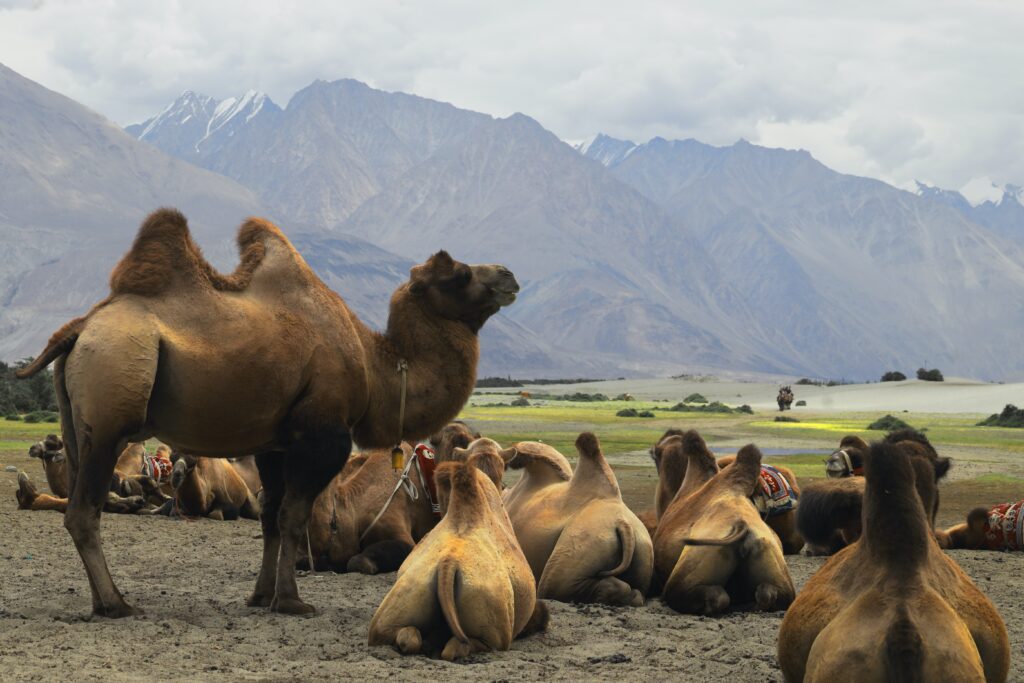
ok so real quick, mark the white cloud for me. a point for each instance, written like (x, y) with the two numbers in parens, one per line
(897, 90)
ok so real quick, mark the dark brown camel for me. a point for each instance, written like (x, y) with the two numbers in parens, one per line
(267, 360)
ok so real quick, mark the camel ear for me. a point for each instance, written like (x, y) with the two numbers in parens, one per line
(507, 454)
(460, 454)
(942, 466)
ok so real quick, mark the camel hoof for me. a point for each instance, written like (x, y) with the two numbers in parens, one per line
(456, 649)
(117, 611)
(259, 600)
(766, 596)
(291, 606)
(362, 564)
(409, 641)
(636, 599)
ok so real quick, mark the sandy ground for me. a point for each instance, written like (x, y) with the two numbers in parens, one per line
(952, 396)
(192, 577)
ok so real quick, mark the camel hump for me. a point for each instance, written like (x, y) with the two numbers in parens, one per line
(592, 470)
(164, 257)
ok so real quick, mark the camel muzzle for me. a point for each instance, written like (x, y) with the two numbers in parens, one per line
(178, 473)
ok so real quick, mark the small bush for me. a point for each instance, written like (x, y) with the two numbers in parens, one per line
(803, 381)
(745, 409)
(889, 424)
(645, 413)
(893, 376)
(695, 398)
(713, 407)
(33, 418)
(800, 404)
(1012, 416)
(785, 418)
(627, 412)
(13, 417)
(932, 375)
(52, 417)
(520, 402)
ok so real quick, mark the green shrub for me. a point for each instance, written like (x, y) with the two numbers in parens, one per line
(713, 407)
(13, 417)
(52, 417)
(520, 402)
(745, 409)
(645, 413)
(932, 375)
(695, 398)
(889, 424)
(893, 376)
(800, 404)
(627, 412)
(785, 418)
(1012, 416)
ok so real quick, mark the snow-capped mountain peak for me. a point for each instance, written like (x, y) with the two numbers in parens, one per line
(605, 149)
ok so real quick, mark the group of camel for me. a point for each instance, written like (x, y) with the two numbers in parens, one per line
(270, 361)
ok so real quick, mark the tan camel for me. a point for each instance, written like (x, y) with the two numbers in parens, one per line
(50, 452)
(466, 586)
(267, 360)
(248, 471)
(712, 548)
(776, 503)
(340, 534)
(29, 498)
(582, 542)
(893, 606)
(135, 473)
(1000, 527)
(456, 434)
(210, 487)
(829, 515)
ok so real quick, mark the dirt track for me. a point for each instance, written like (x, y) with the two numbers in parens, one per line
(192, 578)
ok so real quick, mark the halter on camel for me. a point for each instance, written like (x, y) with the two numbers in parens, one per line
(839, 465)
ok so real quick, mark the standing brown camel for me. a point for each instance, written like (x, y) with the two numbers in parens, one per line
(267, 360)
(893, 606)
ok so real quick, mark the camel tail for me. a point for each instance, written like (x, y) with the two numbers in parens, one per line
(62, 341)
(904, 657)
(628, 541)
(447, 572)
(738, 533)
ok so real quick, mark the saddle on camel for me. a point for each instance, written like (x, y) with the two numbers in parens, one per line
(267, 360)
(1000, 527)
(467, 586)
(712, 548)
(893, 606)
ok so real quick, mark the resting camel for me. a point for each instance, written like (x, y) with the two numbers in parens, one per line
(50, 452)
(582, 542)
(776, 493)
(137, 473)
(829, 515)
(467, 586)
(712, 548)
(210, 487)
(340, 534)
(893, 606)
(29, 498)
(1000, 527)
(455, 434)
(248, 471)
(267, 360)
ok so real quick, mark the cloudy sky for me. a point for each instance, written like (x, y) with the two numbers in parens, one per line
(896, 90)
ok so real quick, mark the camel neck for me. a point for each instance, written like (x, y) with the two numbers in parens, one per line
(441, 356)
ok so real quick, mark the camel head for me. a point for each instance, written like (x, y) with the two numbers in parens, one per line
(848, 459)
(457, 291)
(184, 463)
(456, 434)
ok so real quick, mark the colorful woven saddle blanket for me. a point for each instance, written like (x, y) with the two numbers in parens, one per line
(775, 495)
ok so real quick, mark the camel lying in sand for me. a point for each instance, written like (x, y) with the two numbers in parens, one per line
(340, 533)
(137, 473)
(712, 548)
(267, 360)
(776, 493)
(50, 452)
(829, 515)
(249, 472)
(467, 586)
(211, 487)
(29, 498)
(582, 542)
(1000, 527)
(893, 606)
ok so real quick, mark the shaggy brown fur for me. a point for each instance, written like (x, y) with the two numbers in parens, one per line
(829, 514)
(266, 360)
(340, 536)
(210, 487)
(897, 588)
(582, 542)
(712, 548)
(466, 587)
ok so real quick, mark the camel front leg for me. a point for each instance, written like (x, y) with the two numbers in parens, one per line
(309, 467)
(271, 467)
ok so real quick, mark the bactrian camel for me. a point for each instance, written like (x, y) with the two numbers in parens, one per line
(267, 360)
